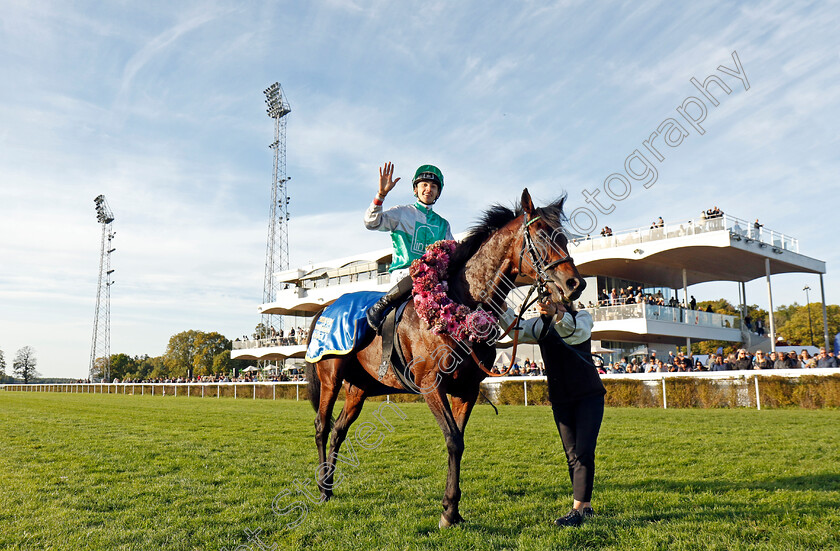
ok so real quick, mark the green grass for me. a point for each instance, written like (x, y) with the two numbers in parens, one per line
(130, 472)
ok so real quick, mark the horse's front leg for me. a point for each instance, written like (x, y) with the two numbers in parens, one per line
(455, 446)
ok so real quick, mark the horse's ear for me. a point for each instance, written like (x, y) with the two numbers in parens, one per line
(527, 204)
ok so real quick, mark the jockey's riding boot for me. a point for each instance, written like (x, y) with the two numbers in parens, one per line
(399, 292)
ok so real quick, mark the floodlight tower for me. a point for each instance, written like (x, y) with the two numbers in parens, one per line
(277, 249)
(101, 343)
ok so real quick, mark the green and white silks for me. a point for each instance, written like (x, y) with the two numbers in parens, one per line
(413, 228)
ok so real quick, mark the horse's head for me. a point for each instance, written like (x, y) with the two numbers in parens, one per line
(543, 252)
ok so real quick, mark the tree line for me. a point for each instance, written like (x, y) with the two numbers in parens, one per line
(189, 354)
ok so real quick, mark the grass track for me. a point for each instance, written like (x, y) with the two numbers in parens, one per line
(139, 472)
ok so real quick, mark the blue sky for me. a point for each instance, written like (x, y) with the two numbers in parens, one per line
(159, 106)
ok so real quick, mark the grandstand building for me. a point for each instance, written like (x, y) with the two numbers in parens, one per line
(664, 261)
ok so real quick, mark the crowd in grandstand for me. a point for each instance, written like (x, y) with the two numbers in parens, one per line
(244, 378)
(527, 369)
(711, 214)
(631, 295)
(277, 337)
(740, 360)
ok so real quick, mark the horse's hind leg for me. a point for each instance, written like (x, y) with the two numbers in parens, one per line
(352, 408)
(329, 373)
(462, 406)
(455, 446)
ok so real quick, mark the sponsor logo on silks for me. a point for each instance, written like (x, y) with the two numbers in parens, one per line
(323, 326)
(423, 237)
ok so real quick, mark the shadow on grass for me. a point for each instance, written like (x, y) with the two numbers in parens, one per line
(821, 482)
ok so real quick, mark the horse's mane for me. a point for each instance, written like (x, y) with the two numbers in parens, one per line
(495, 218)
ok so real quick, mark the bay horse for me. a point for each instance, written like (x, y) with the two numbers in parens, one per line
(525, 243)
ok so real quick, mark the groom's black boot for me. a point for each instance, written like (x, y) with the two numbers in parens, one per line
(399, 292)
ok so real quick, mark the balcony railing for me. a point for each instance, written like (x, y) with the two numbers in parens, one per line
(738, 228)
(274, 341)
(663, 313)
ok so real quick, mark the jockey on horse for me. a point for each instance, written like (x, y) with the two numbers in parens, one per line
(563, 334)
(412, 227)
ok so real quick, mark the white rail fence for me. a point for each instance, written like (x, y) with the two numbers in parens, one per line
(198, 390)
(747, 381)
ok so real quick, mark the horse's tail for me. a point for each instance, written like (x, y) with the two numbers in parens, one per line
(313, 382)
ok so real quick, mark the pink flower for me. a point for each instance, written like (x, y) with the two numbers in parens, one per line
(434, 306)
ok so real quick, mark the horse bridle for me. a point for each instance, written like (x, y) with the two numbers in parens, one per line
(540, 268)
(540, 283)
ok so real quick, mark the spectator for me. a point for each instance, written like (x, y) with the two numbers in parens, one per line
(824, 360)
(693, 303)
(782, 361)
(603, 297)
(793, 360)
(761, 361)
(748, 321)
(718, 364)
(742, 361)
(808, 361)
(759, 327)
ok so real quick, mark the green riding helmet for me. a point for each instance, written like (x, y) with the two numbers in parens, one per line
(429, 173)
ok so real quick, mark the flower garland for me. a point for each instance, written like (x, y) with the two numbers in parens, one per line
(434, 306)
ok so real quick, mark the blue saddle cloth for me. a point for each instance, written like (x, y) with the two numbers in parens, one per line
(341, 325)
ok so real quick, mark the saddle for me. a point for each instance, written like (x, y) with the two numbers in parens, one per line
(392, 353)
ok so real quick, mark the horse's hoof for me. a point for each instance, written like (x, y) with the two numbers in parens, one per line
(325, 497)
(448, 523)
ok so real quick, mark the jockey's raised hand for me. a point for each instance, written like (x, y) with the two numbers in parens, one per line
(386, 181)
